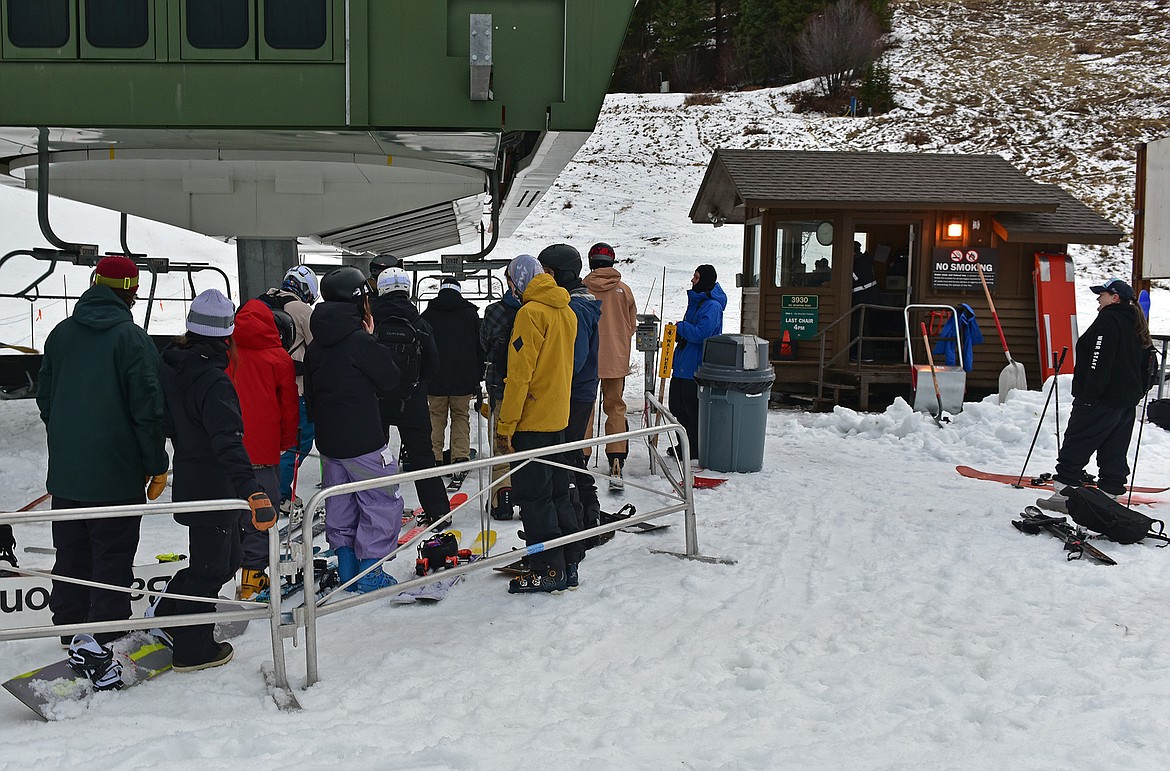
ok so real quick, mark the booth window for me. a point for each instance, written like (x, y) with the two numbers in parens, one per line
(801, 260)
(296, 24)
(117, 23)
(217, 23)
(754, 246)
(38, 23)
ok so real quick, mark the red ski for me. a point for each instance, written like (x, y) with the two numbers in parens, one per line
(456, 500)
(1045, 483)
(706, 483)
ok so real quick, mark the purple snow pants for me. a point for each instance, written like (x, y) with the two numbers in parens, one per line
(368, 521)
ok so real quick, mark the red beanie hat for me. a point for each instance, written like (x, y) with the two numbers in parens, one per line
(117, 272)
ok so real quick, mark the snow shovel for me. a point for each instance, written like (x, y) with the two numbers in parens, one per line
(933, 376)
(1013, 375)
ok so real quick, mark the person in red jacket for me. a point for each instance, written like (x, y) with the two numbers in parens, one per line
(265, 380)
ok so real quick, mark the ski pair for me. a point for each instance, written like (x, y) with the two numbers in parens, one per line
(1076, 539)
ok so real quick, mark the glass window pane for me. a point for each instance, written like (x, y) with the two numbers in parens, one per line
(38, 23)
(217, 23)
(801, 260)
(295, 23)
(754, 247)
(117, 23)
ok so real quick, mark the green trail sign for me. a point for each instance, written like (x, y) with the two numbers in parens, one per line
(799, 315)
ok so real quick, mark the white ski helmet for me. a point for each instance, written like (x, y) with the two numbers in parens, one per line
(302, 280)
(393, 280)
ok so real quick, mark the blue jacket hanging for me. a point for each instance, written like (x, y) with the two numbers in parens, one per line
(971, 337)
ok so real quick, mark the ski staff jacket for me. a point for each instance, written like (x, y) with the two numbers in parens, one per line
(588, 312)
(301, 313)
(346, 371)
(265, 381)
(971, 335)
(494, 334)
(540, 362)
(455, 322)
(619, 321)
(101, 402)
(203, 420)
(703, 319)
(1112, 365)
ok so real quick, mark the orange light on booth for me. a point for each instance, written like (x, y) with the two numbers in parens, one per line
(954, 229)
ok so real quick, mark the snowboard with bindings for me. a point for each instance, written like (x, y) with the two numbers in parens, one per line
(1076, 539)
(437, 553)
(142, 656)
(1044, 482)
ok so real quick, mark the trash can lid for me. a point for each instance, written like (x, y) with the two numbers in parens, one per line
(716, 373)
(739, 352)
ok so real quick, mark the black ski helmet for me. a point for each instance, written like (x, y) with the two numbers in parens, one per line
(383, 261)
(345, 284)
(601, 255)
(563, 260)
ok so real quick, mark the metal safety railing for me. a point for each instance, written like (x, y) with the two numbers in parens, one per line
(678, 497)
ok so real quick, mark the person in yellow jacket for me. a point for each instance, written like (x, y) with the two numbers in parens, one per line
(534, 413)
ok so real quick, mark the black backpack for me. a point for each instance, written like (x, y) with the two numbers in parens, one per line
(284, 321)
(405, 344)
(1158, 411)
(1092, 509)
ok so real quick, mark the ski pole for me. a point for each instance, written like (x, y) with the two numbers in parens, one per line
(597, 405)
(1138, 448)
(1056, 391)
(1059, 362)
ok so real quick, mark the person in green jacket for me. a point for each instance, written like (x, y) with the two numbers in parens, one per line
(100, 399)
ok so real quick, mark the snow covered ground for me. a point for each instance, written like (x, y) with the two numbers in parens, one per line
(882, 612)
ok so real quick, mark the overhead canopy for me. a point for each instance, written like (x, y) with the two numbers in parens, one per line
(797, 179)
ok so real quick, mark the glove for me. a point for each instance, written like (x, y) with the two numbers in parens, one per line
(485, 410)
(263, 515)
(155, 485)
(503, 444)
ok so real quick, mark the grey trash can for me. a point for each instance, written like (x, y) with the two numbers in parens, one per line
(735, 381)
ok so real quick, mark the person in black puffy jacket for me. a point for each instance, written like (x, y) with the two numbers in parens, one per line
(1112, 372)
(455, 322)
(346, 373)
(202, 417)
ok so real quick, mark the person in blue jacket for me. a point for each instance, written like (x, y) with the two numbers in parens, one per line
(704, 318)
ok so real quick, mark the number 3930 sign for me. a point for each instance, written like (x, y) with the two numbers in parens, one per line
(799, 315)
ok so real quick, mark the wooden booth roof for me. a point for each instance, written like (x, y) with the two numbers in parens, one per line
(800, 179)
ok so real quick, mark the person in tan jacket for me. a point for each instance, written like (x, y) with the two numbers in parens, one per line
(534, 414)
(619, 320)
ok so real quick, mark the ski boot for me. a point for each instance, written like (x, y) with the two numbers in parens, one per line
(548, 580)
(252, 583)
(616, 484)
(372, 581)
(223, 654)
(89, 658)
(503, 510)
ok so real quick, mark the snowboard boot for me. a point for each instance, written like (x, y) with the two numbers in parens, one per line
(503, 510)
(347, 565)
(90, 659)
(616, 485)
(571, 580)
(549, 580)
(223, 654)
(252, 582)
(374, 580)
(459, 476)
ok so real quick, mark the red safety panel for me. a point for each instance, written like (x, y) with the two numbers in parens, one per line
(1056, 310)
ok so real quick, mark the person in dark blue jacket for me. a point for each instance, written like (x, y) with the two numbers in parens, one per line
(703, 319)
(563, 262)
